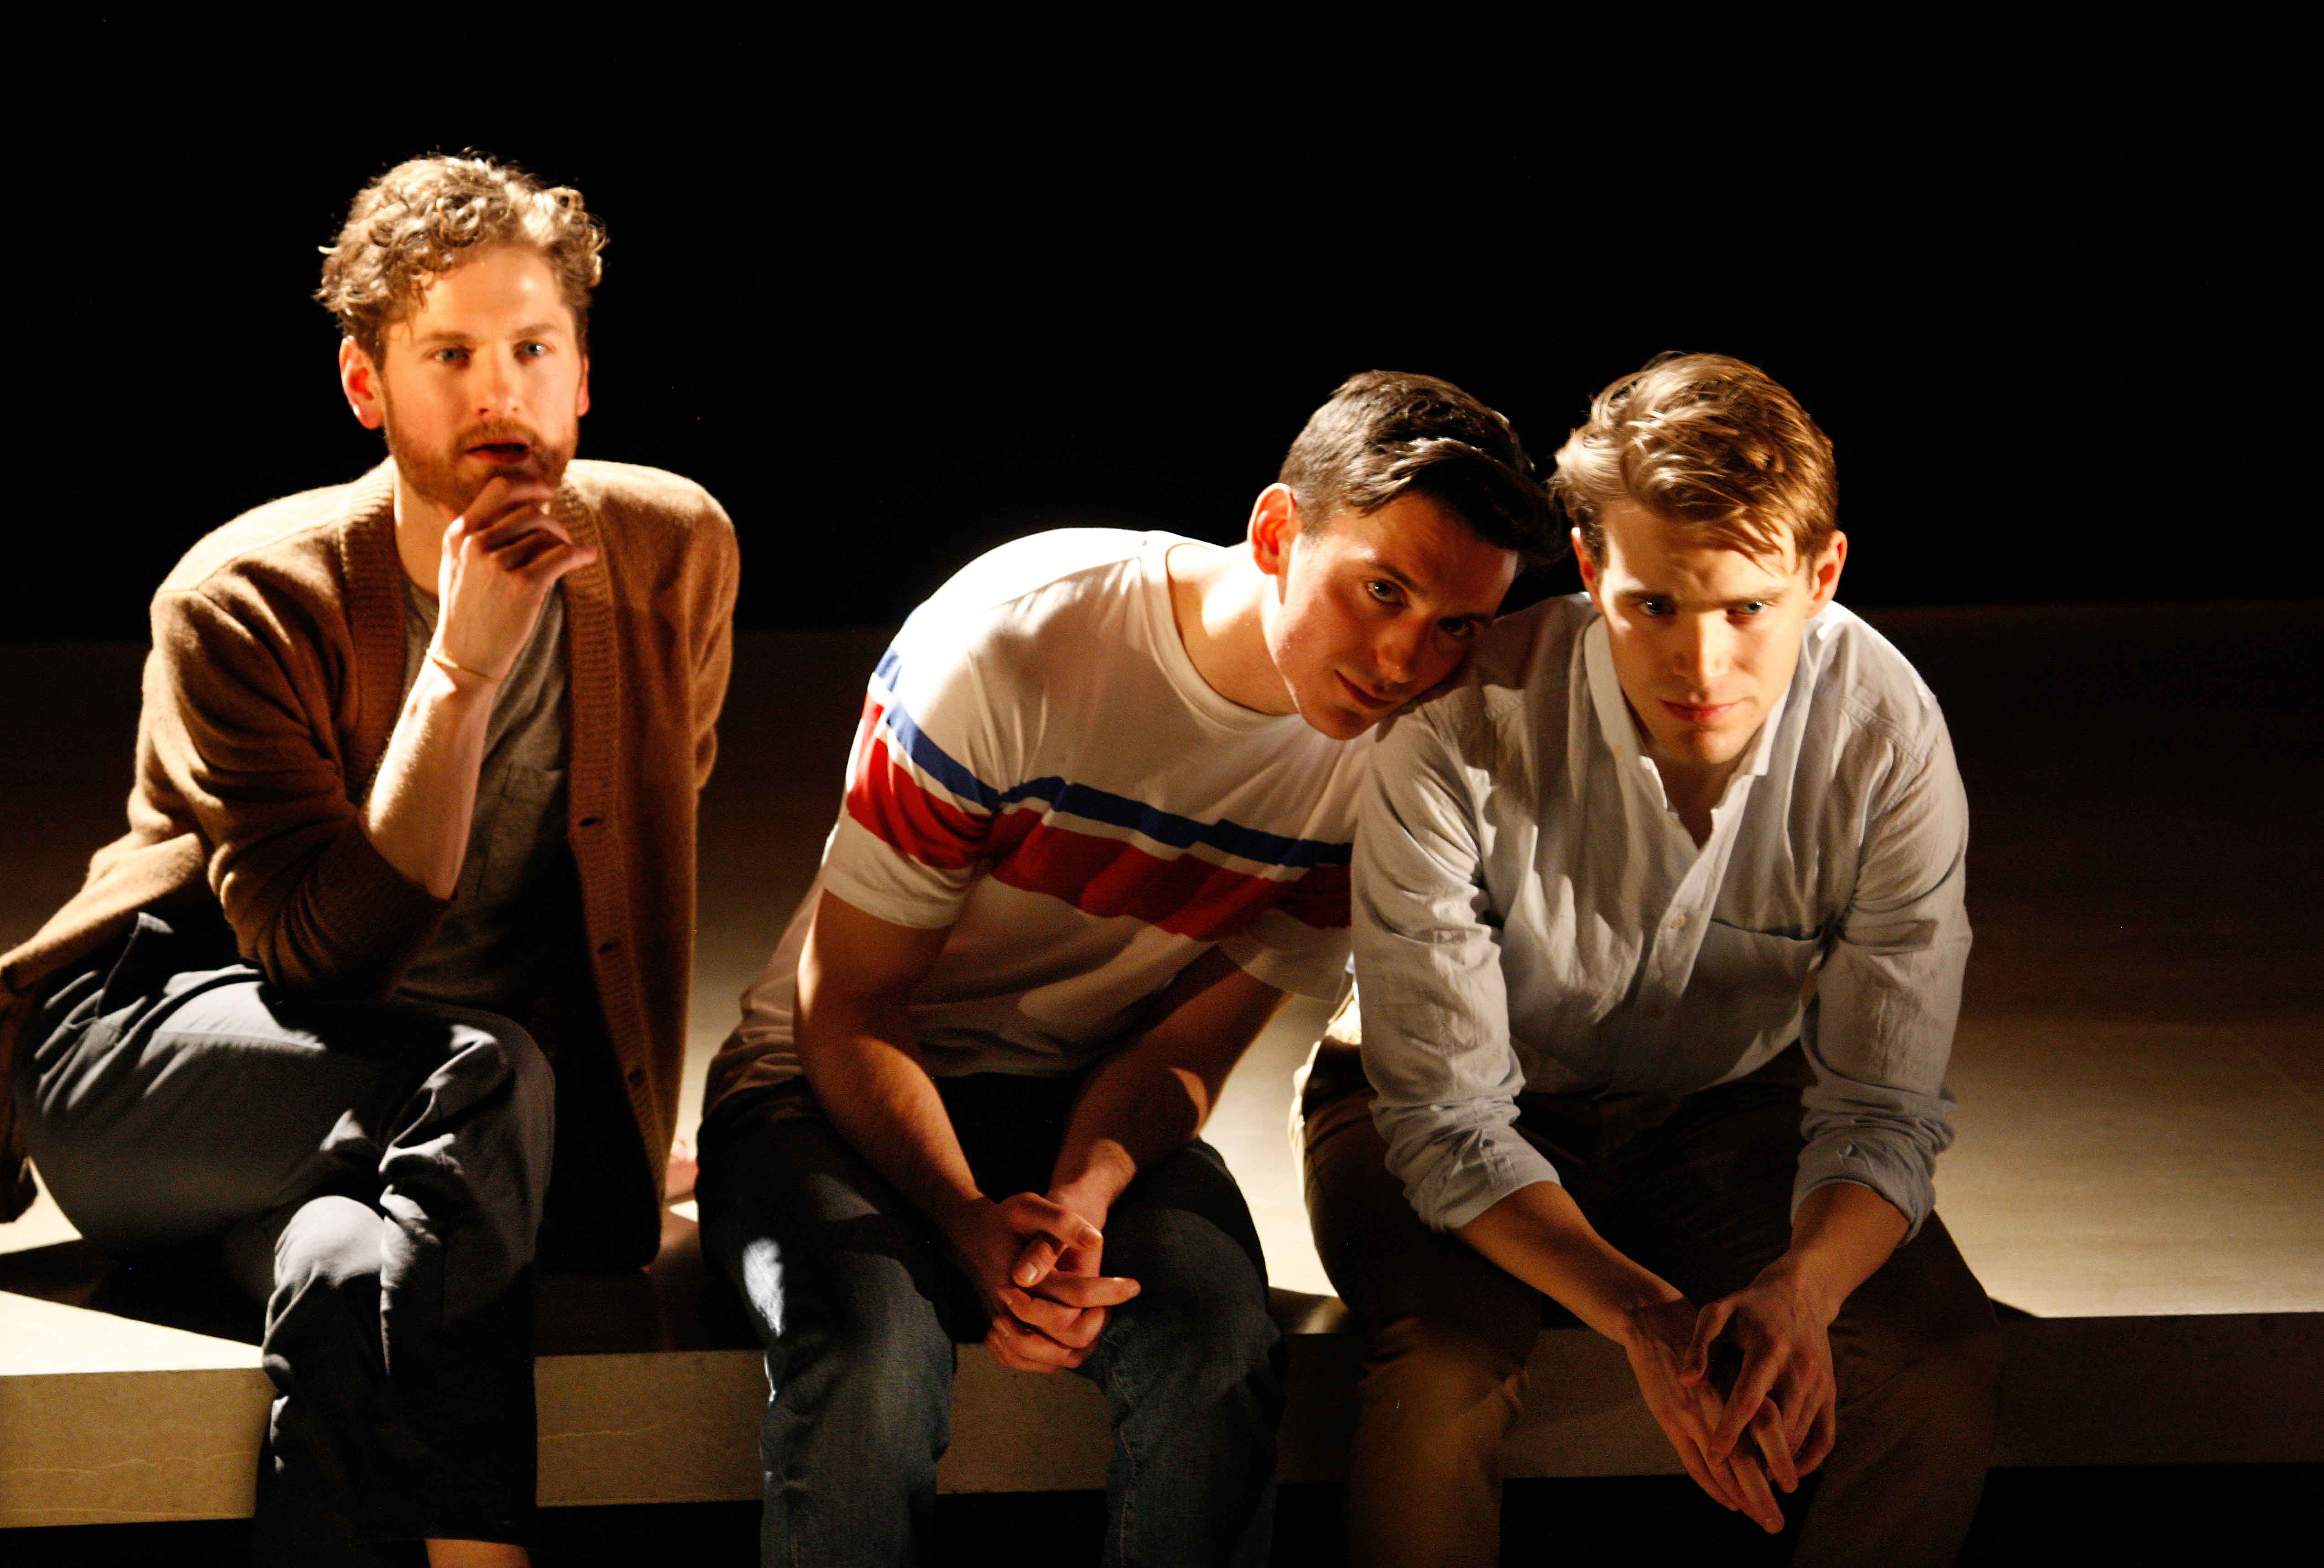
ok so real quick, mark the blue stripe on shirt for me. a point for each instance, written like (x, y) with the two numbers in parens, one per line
(1097, 805)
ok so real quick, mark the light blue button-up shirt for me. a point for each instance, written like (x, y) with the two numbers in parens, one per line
(1530, 914)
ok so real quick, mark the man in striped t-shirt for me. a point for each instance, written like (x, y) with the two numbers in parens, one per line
(1098, 823)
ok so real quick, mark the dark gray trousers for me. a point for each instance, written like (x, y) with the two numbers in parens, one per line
(373, 1172)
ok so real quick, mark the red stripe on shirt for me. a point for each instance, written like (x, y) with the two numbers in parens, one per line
(1319, 899)
(888, 799)
(1184, 894)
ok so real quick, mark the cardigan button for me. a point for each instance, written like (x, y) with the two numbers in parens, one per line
(605, 948)
(591, 821)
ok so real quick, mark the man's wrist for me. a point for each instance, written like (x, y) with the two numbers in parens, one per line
(1091, 1196)
(1798, 1276)
(959, 1215)
(453, 667)
(1650, 1316)
(442, 685)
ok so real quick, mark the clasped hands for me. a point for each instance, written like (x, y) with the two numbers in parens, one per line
(1034, 1262)
(1782, 1396)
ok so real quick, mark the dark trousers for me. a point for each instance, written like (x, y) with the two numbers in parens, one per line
(1698, 1190)
(373, 1172)
(860, 1307)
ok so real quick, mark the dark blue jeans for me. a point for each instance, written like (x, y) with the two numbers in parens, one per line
(860, 1307)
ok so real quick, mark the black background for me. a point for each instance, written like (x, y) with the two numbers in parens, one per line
(2044, 340)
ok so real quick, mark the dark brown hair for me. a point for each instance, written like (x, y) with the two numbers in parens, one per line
(1385, 434)
(422, 217)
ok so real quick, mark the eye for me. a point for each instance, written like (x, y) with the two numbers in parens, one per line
(1459, 630)
(532, 350)
(1753, 608)
(1384, 592)
(1654, 607)
(449, 356)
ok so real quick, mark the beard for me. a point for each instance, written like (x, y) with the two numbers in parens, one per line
(447, 478)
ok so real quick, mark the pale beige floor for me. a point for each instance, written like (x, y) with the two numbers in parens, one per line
(2141, 1059)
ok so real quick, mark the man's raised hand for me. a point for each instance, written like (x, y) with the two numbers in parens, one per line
(500, 558)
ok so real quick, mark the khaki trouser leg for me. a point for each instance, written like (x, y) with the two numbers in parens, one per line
(1698, 1190)
(1704, 1198)
(1918, 1357)
(1447, 1335)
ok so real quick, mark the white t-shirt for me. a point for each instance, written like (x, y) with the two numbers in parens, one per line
(1041, 768)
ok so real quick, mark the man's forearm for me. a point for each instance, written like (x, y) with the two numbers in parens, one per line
(1150, 1099)
(1134, 1111)
(1539, 1234)
(1842, 1234)
(421, 803)
(869, 1079)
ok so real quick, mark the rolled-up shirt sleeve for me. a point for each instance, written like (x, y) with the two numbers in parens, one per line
(1880, 1031)
(1436, 1012)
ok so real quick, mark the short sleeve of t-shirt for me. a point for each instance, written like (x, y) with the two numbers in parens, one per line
(925, 779)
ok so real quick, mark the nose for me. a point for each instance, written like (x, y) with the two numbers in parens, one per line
(1702, 652)
(496, 386)
(1398, 649)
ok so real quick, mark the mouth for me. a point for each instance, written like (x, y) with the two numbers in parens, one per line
(509, 452)
(1368, 698)
(1704, 713)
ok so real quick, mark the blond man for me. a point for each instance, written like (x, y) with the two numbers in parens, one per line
(384, 992)
(1659, 937)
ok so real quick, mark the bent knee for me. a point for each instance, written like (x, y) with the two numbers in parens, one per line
(1966, 1350)
(495, 1068)
(1950, 1354)
(326, 1262)
(1941, 1314)
(865, 1318)
(497, 1051)
(1213, 1316)
(1428, 1363)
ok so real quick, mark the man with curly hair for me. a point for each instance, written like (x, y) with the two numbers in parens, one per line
(382, 995)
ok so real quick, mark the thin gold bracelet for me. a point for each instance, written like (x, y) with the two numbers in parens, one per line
(435, 657)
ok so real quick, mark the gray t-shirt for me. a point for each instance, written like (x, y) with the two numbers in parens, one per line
(516, 912)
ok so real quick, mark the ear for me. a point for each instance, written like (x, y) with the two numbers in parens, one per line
(359, 380)
(581, 403)
(1823, 574)
(1274, 526)
(1588, 567)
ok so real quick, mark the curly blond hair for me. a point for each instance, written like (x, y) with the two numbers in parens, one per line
(1708, 441)
(418, 221)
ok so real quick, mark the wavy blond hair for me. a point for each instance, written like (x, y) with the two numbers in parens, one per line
(420, 219)
(1708, 441)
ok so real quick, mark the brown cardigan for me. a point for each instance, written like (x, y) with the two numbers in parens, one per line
(275, 679)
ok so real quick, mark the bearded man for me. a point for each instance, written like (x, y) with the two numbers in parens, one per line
(382, 995)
